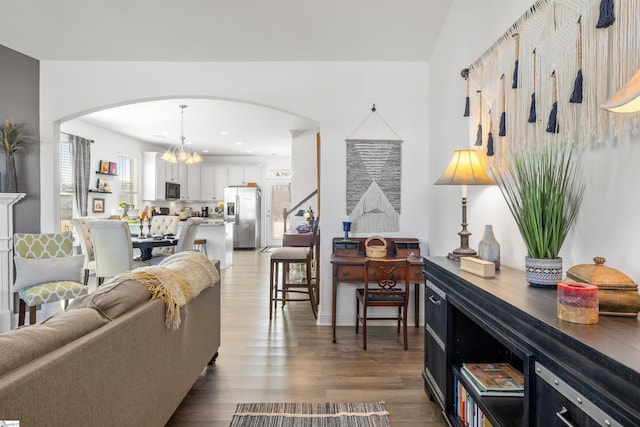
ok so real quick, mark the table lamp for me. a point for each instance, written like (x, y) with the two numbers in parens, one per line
(464, 169)
(627, 99)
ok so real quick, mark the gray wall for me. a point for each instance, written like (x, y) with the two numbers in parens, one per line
(19, 100)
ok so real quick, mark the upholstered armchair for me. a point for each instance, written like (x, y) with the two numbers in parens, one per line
(46, 271)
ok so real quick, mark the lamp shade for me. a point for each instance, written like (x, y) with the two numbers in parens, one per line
(627, 99)
(465, 169)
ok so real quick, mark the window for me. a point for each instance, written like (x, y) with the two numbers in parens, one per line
(66, 184)
(128, 184)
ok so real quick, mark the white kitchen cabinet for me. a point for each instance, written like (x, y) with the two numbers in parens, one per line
(242, 174)
(206, 181)
(220, 180)
(193, 182)
(153, 176)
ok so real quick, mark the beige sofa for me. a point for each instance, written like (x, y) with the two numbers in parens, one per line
(108, 360)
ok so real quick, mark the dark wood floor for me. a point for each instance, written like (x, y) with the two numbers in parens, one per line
(291, 359)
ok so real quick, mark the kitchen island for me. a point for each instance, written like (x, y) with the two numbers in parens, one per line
(219, 235)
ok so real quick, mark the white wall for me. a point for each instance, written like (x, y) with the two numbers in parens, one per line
(304, 169)
(337, 95)
(606, 224)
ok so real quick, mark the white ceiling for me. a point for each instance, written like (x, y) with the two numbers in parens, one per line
(219, 30)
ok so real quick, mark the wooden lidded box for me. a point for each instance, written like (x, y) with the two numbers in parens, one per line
(617, 293)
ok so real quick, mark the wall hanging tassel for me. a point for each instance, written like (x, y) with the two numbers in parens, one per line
(532, 110)
(576, 95)
(479, 134)
(552, 125)
(503, 117)
(465, 74)
(514, 85)
(607, 17)
(490, 137)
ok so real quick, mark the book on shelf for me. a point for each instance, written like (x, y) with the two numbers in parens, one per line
(494, 379)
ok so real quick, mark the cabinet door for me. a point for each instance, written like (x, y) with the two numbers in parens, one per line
(252, 174)
(206, 182)
(171, 172)
(153, 170)
(193, 181)
(435, 339)
(219, 181)
(235, 175)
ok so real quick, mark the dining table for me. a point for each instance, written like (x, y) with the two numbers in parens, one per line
(146, 244)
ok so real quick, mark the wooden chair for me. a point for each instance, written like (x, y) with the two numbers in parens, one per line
(284, 257)
(386, 284)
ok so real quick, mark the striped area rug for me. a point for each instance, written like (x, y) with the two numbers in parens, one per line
(310, 415)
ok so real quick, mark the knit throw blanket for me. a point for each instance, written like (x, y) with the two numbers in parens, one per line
(176, 280)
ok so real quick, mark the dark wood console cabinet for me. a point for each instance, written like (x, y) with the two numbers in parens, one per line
(577, 375)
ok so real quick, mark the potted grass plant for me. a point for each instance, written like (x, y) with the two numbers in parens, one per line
(543, 190)
(12, 140)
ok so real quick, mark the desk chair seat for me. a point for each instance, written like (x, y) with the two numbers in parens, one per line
(281, 290)
(386, 284)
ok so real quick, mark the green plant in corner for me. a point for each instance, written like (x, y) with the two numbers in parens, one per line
(543, 190)
(12, 140)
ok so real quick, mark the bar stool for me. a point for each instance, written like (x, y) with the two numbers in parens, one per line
(281, 290)
(201, 245)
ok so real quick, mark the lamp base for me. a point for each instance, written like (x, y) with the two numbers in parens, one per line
(456, 254)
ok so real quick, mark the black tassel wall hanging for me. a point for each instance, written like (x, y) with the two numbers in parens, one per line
(576, 95)
(607, 17)
(479, 133)
(532, 110)
(465, 75)
(490, 137)
(552, 125)
(514, 85)
(503, 117)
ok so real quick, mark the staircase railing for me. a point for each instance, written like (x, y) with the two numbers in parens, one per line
(286, 212)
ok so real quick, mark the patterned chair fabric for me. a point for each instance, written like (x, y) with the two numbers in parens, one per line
(161, 225)
(41, 246)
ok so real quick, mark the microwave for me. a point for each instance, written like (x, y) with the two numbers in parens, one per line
(171, 191)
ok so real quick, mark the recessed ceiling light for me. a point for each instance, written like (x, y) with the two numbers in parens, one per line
(238, 142)
(249, 151)
(205, 151)
(224, 132)
(159, 136)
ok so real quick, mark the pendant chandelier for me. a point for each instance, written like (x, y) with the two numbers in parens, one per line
(178, 153)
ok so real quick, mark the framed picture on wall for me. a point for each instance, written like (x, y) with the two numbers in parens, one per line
(104, 166)
(98, 205)
(104, 186)
(113, 168)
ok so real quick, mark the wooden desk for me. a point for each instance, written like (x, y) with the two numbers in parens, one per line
(350, 269)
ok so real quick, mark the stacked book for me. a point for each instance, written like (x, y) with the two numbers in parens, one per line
(466, 408)
(493, 379)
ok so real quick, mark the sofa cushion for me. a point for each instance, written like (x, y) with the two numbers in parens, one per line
(20, 346)
(34, 271)
(113, 300)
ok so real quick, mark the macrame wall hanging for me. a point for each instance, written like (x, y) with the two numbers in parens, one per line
(373, 181)
(566, 57)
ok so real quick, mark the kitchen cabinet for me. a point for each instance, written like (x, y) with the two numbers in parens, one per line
(220, 180)
(153, 176)
(242, 174)
(213, 179)
(192, 191)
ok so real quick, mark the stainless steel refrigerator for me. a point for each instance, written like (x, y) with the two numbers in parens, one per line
(243, 207)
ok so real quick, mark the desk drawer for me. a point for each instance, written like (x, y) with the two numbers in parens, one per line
(350, 273)
(347, 252)
(415, 274)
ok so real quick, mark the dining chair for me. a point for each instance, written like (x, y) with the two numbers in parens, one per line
(112, 248)
(46, 271)
(280, 287)
(86, 244)
(161, 225)
(386, 284)
(186, 239)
